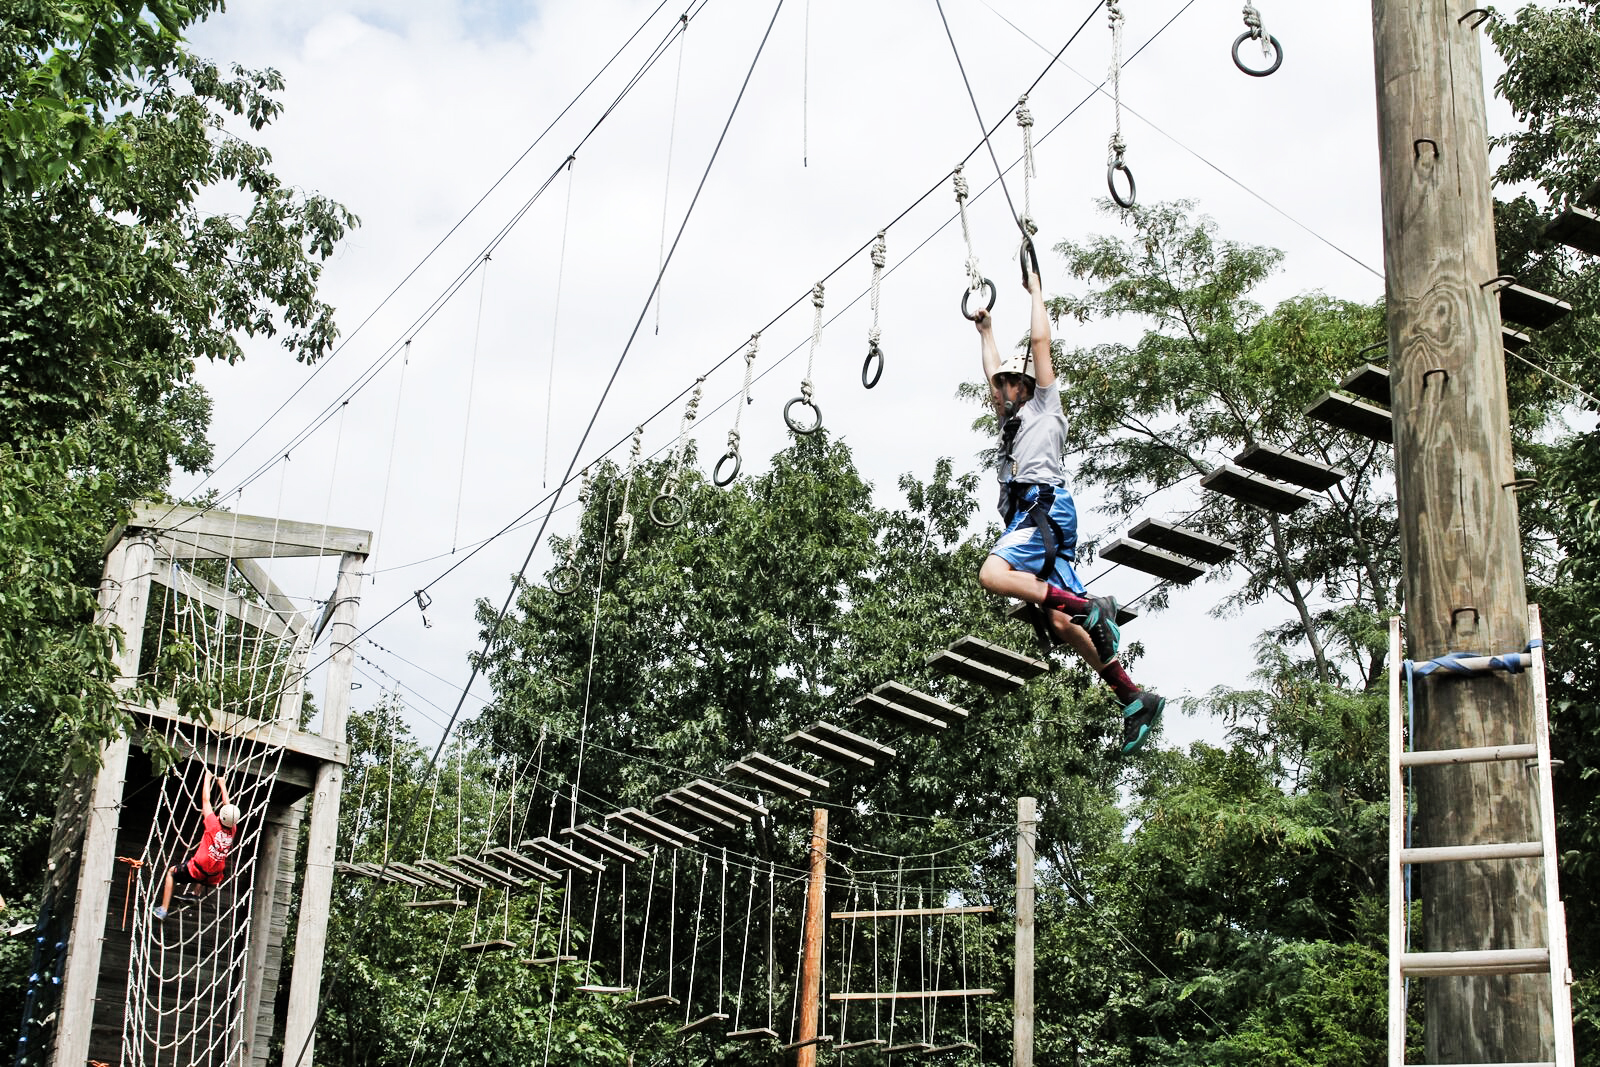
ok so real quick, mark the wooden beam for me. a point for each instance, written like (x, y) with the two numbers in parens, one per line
(241, 728)
(913, 994)
(1154, 561)
(811, 945)
(1248, 488)
(1022, 985)
(234, 605)
(197, 533)
(1182, 540)
(1347, 413)
(1290, 467)
(1531, 308)
(893, 912)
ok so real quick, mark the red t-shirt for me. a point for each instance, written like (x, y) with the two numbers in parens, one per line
(210, 860)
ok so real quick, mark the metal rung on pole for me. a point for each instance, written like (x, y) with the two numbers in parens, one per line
(1509, 850)
(1477, 962)
(1492, 754)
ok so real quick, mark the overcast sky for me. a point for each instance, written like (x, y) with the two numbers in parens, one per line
(408, 112)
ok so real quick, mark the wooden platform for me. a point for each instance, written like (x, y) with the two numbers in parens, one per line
(598, 839)
(1370, 382)
(1576, 228)
(525, 865)
(986, 663)
(654, 828)
(1347, 413)
(1531, 308)
(698, 811)
(909, 707)
(840, 745)
(777, 776)
(724, 799)
(1286, 466)
(552, 852)
(1253, 489)
(1183, 541)
(1151, 561)
(1513, 340)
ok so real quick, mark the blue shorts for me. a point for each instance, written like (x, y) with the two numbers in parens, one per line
(1023, 548)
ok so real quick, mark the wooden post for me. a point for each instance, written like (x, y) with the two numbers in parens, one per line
(811, 951)
(1458, 516)
(316, 890)
(1022, 1025)
(124, 593)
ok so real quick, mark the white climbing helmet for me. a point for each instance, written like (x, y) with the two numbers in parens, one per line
(1019, 364)
(228, 815)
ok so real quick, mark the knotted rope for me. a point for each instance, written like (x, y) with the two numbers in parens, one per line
(807, 392)
(1117, 146)
(744, 401)
(1025, 120)
(974, 274)
(668, 509)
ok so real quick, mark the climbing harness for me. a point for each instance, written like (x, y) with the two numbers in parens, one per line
(733, 434)
(872, 366)
(1115, 162)
(806, 396)
(1255, 31)
(1051, 535)
(565, 578)
(668, 508)
(622, 529)
(976, 282)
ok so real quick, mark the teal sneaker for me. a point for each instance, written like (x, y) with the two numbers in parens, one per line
(1101, 622)
(1139, 718)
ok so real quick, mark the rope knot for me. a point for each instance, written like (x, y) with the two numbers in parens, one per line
(1118, 146)
(1252, 20)
(816, 297)
(961, 186)
(806, 390)
(880, 251)
(1024, 116)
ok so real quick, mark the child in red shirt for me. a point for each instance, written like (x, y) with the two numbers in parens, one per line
(210, 860)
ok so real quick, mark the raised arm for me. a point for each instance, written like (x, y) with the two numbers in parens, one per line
(991, 357)
(1044, 371)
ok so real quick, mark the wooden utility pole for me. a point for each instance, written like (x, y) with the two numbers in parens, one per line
(1022, 1026)
(811, 951)
(1458, 517)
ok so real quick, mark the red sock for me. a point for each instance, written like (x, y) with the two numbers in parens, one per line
(1059, 599)
(1117, 678)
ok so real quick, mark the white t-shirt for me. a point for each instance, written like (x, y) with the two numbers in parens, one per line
(1035, 456)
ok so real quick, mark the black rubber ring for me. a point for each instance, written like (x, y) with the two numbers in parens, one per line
(874, 359)
(716, 473)
(1111, 183)
(673, 505)
(1024, 254)
(986, 284)
(795, 426)
(1276, 48)
(564, 580)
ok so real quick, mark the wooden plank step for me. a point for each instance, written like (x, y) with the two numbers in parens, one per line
(726, 797)
(1347, 413)
(453, 874)
(1576, 228)
(705, 1022)
(605, 989)
(955, 1047)
(1151, 561)
(1370, 382)
(434, 880)
(1514, 340)
(760, 1033)
(662, 1001)
(1287, 466)
(1531, 308)
(488, 946)
(910, 1046)
(596, 838)
(1183, 541)
(545, 961)
(487, 871)
(1254, 489)
(654, 827)
(697, 811)
(433, 903)
(840, 745)
(758, 766)
(910, 707)
(947, 662)
(999, 657)
(553, 851)
(523, 864)
(870, 1042)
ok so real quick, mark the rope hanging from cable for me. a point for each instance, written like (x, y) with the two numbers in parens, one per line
(1255, 30)
(732, 455)
(807, 393)
(976, 282)
(622, 529)
(668, 508)
(872, 366)
(1118, 147)
(565, 578)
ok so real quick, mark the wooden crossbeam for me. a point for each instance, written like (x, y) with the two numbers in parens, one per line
(913, 994)
(896, 912)
(697, 811)
(597, 838)
(459, 877)
(704, 788)
(559, 853)
(654, 827)
(827, 749)
(712, 804)
(198, 533)
(999, 657)
(518, 862)
(488, 871)
(233, 605)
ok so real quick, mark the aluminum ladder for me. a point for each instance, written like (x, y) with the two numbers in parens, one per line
(1549, 959)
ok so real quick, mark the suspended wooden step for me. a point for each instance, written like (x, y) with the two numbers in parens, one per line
(1254, 489)
(697, 810)
(605, 989)
(957, 1047)
(820, 1039)
(1576, 228)
(662, 1001)
(912, 994)
(489, 946)
(1151, 561)
(1347, 413)
(451, 903)
(760, 1033)
(1530, 308)
(1368, 381)
(723, 798)
(452, 874)
(988, 664)
(546, 961)
(391, 872)
(911, 1047)
(518, 862)
(908, 707)
(840, 745)
(432, 881)
(488, 871)
(596, 838)
(894, 913)
(777, 776)
(871, 1042)
(1182, 540)
(1287, 466)
(654, 828)
(1514, 341)
(705, 1022)
(550, 851)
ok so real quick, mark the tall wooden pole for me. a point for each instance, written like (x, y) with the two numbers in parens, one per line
(1458, 517)
(811, 951)
(1022, 1026)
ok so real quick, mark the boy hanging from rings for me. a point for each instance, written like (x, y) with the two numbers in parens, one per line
(1032, 561)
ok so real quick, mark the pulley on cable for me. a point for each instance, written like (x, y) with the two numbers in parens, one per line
(806, 396)
(872, 366)
(1115, 163)
(565, 578)
(976, 282)
(733, 434)
(668, 508)
(1271, 50)
(1027, 254)
(622, 529)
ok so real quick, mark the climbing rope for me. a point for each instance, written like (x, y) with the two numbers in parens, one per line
(565, 578)
(975, 279)
(1025, 120)
(622, 528)
(806, 396)
(668, 508)
(1118, 147)
(733, 434)
(1255, 30)
(872, 366)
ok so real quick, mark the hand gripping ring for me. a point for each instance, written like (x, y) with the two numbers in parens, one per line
(716, 474)
(564, 580)
(1277, 53)
(795, 426)
(1111, 183)
(872, 366)
(986, 284)
(668, 509)
(1028, 256)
